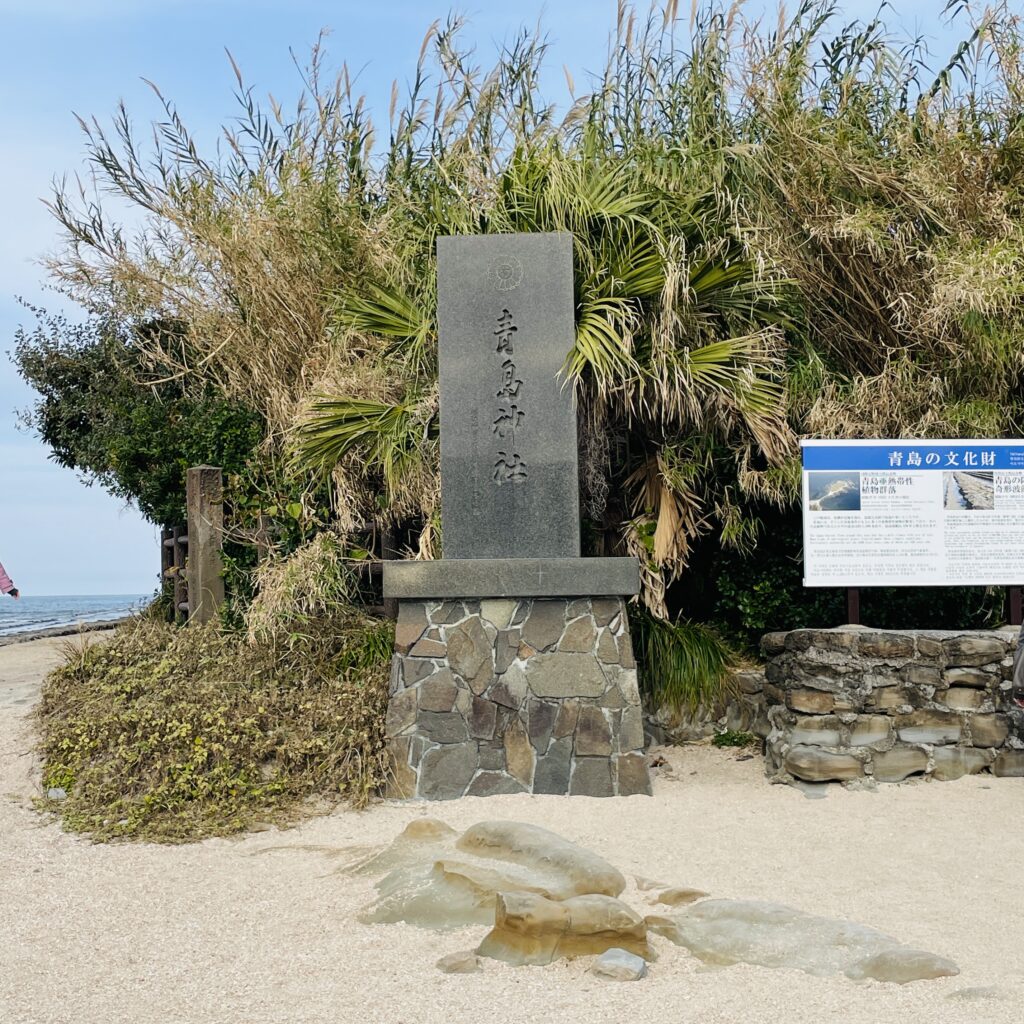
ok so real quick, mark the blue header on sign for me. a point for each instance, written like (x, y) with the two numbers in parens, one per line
(979, 455)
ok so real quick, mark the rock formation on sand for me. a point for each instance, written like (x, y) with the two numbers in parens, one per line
(727, 932)
(545, 899)
(529, 929)
(437, 879)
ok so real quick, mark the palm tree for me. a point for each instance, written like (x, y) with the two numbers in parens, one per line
(675, 359)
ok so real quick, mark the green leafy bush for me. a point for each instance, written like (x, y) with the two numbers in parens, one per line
(735, 739)
(103, 413)
(172, 734)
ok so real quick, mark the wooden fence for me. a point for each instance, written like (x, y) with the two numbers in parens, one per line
(190, 555)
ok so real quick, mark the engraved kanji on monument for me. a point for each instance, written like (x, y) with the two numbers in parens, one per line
(513, 669)
(508, 423)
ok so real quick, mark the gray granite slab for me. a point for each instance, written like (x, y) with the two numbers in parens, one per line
(512, 577)
(508, 424)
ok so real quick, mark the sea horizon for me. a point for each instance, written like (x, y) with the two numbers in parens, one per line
(33, 612)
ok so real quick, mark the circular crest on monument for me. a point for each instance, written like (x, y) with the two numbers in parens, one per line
(506, 273)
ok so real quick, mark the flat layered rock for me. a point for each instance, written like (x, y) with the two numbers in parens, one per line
(619, 965)
(433, 878)
(580, 870)
(538, 895)
(680, 896)
(726, 932)
(901, 966)
(530, 929)
(815, 765)
(900, 763)
(459, 963)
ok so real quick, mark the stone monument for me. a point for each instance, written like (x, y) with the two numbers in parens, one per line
(513, 669)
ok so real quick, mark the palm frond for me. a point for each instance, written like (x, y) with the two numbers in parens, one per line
(389, 313)
(730, 367)
(604, 340)
(384, 311)
(388, 438)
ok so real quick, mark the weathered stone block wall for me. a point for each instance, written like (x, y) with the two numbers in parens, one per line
(742, 708)
(852, 704)
(510, 696)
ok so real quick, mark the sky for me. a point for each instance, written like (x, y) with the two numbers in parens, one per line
(61, 57)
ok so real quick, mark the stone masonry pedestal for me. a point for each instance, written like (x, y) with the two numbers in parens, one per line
(513, 670)
(533, 695)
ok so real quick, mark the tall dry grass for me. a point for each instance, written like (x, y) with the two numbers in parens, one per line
(782, 228)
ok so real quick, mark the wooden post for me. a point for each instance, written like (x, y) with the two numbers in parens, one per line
(180, 559)
(205, 497)
(262, 538)
(388, 550)
(167, 564)
(166, 552)
(852, 606)
(1016, 610)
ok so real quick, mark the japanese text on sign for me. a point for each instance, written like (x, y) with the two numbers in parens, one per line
(913, 513)
(509, 467)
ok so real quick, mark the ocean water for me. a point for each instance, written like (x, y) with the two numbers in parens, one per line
(30, 612)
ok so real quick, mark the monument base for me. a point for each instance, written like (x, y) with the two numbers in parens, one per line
(528, 695)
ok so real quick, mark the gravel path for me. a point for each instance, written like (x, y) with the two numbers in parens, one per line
(261, 929)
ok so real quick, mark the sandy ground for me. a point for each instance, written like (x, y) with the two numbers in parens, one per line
(216, 932)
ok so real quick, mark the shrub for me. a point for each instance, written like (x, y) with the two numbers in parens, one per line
(735, 739)
(103, 413)
(170, 734)
(679, 664)
(298, 593)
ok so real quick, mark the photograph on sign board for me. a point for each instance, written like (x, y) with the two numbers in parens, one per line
(968, 491)
(833, 492)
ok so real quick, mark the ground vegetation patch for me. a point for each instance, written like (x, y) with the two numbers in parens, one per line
(169, 734)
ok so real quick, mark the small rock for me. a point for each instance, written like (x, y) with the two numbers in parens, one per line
(619, 965)
(954, 762)
(891, 646)
(822, 731)
(814, 702)
(56, 793)
(900, 763)
(813, 790)
(544, 626)
(979, 992)
(989, 730)
(647, 884)
(929, 726)
(815, 765)
(973, 651)
(1009, 764)
(591, 776)
(466, 962)
(901, 966)
(679, 896)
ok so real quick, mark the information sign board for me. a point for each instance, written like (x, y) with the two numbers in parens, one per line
(913, 513)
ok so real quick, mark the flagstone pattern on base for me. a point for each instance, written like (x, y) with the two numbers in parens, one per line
(515, 696)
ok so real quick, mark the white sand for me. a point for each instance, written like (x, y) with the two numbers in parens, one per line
(212, 933)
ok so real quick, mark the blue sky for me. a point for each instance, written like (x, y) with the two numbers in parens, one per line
(58, 536)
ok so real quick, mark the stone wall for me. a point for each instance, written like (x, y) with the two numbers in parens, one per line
(855, 705)
(510, 696)
(741, 708)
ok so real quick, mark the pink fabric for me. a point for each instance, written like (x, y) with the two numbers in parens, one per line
(6, 586)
